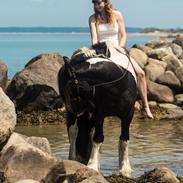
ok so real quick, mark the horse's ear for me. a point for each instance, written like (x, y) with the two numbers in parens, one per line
(68, 67)
(66, 60)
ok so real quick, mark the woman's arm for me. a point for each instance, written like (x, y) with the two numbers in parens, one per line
(121, 24)
(93, 30)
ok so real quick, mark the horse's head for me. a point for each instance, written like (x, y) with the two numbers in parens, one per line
(77, 92)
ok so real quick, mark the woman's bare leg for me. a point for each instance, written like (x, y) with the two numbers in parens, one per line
(142, 87)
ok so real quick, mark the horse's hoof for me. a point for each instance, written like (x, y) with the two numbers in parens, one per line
(126, 172)
(94, 167)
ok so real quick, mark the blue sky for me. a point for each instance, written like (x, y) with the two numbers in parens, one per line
(137, 13)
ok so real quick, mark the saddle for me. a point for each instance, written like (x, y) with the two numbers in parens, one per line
(102, 49)
(108, 51)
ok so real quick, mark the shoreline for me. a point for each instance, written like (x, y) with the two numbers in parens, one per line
(134, 34)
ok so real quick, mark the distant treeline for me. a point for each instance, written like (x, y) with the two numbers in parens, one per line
(152, 29)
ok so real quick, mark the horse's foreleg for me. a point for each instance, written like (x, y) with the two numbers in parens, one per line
(73, 131)
(124, 163)
(94, 161)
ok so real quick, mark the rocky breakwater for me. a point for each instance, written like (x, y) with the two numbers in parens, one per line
(29, 159)
(162, 61)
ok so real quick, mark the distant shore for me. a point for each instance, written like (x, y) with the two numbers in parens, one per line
(156, 34)
(140, 34)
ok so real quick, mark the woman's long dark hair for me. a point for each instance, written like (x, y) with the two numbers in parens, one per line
(109, 14)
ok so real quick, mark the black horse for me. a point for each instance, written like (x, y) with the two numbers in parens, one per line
(91, 91)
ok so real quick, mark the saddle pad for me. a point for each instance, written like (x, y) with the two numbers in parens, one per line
(118, 59)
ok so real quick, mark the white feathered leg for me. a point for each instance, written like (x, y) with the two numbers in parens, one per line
(124, 163)
(73, 132)
(94, 161)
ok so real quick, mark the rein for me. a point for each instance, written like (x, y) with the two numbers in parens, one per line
(121, 77)
(78, 98)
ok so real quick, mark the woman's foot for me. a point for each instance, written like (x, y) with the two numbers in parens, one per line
(148, 112)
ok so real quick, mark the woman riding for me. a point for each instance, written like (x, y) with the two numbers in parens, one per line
(106, 24)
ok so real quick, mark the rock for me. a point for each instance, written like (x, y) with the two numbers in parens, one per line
(54, 116)
(55, 174)
(158, 43)
(72, 166)
(20, 160)
(40, 142)
(27, 181)
(143, 48)
(168, 106)
(179, 100)
(153, 104)
(139, 56)
(86, 175)
(172, 62)
(179, 73)
(173, 114)
(153, 70)
(159, 53)
(179, 41)
(159, 93)
(161, 175)
(75, 172)
(157, 62)
(3, 75)
(177, 50)
(36, 87)
(137, 106)
(7, 118)
(169, 79)
(95, 179)
(181, 60)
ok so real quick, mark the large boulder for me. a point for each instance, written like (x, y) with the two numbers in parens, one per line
(154, 69)
(159, 93)
(36, 87)
(161, 175)
(179, 41)
(3, 75)
(139, 56)
(159, 43)
(169, 79)
(179, 100)
(177, 50)
(159, 53)
(7, 118)
(172, 62)
(143, 48)
(179, 73)
(40, 142)
(20, 160)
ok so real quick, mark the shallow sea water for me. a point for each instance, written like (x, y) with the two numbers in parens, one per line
(152, 144)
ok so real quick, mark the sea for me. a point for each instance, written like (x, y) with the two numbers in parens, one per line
(18, 45)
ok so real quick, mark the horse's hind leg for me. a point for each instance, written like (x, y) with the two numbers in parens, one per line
(124, 163)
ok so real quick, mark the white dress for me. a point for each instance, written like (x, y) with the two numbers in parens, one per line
(110, 34)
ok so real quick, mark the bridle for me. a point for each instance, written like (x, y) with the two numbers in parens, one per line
(76, 82)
